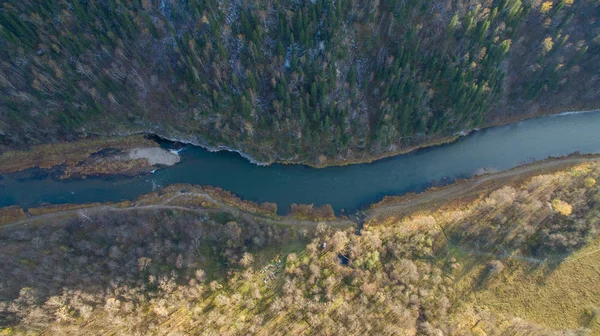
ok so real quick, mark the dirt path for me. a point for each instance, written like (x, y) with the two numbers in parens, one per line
(473, 186)
(251, 216)
(85, 213)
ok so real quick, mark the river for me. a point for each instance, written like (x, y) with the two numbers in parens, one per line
(347, 187)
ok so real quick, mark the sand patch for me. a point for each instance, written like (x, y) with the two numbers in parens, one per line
(154, 155)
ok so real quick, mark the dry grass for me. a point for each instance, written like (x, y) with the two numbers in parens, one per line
(47, 209)
(47, 156)
(557, 298)
(558, 294)
(108, 167)
(11, 214)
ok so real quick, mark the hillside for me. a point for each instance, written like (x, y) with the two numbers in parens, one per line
(318, 81)
(518, 259)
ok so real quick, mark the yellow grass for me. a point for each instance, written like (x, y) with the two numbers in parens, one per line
(11, 214)
(557, 298)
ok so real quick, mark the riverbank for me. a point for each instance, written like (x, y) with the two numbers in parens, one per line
(325, 162)
(186, 197)
(507, 116)
(359, 157)
(106, 155)
(97, 156)
(465, 190)
(182, 197)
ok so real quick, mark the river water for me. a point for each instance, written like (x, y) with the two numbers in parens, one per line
(346, 187)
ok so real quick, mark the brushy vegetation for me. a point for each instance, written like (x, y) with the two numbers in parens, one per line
(69, 154)
(296, 80)
(503, 264)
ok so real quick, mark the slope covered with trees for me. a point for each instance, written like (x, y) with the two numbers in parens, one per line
(519, 260)
(290, 80)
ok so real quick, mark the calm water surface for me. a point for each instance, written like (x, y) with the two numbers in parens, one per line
(347, 187)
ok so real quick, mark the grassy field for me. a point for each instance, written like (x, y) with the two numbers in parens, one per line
(561, 296)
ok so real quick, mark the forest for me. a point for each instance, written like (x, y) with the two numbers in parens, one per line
(519, 259)
(298, 81)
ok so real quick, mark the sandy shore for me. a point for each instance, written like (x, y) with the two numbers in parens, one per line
(154, 155)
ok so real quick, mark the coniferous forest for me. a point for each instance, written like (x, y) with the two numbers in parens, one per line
(290, 80)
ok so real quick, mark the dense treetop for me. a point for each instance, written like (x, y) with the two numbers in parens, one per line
(288, 79)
